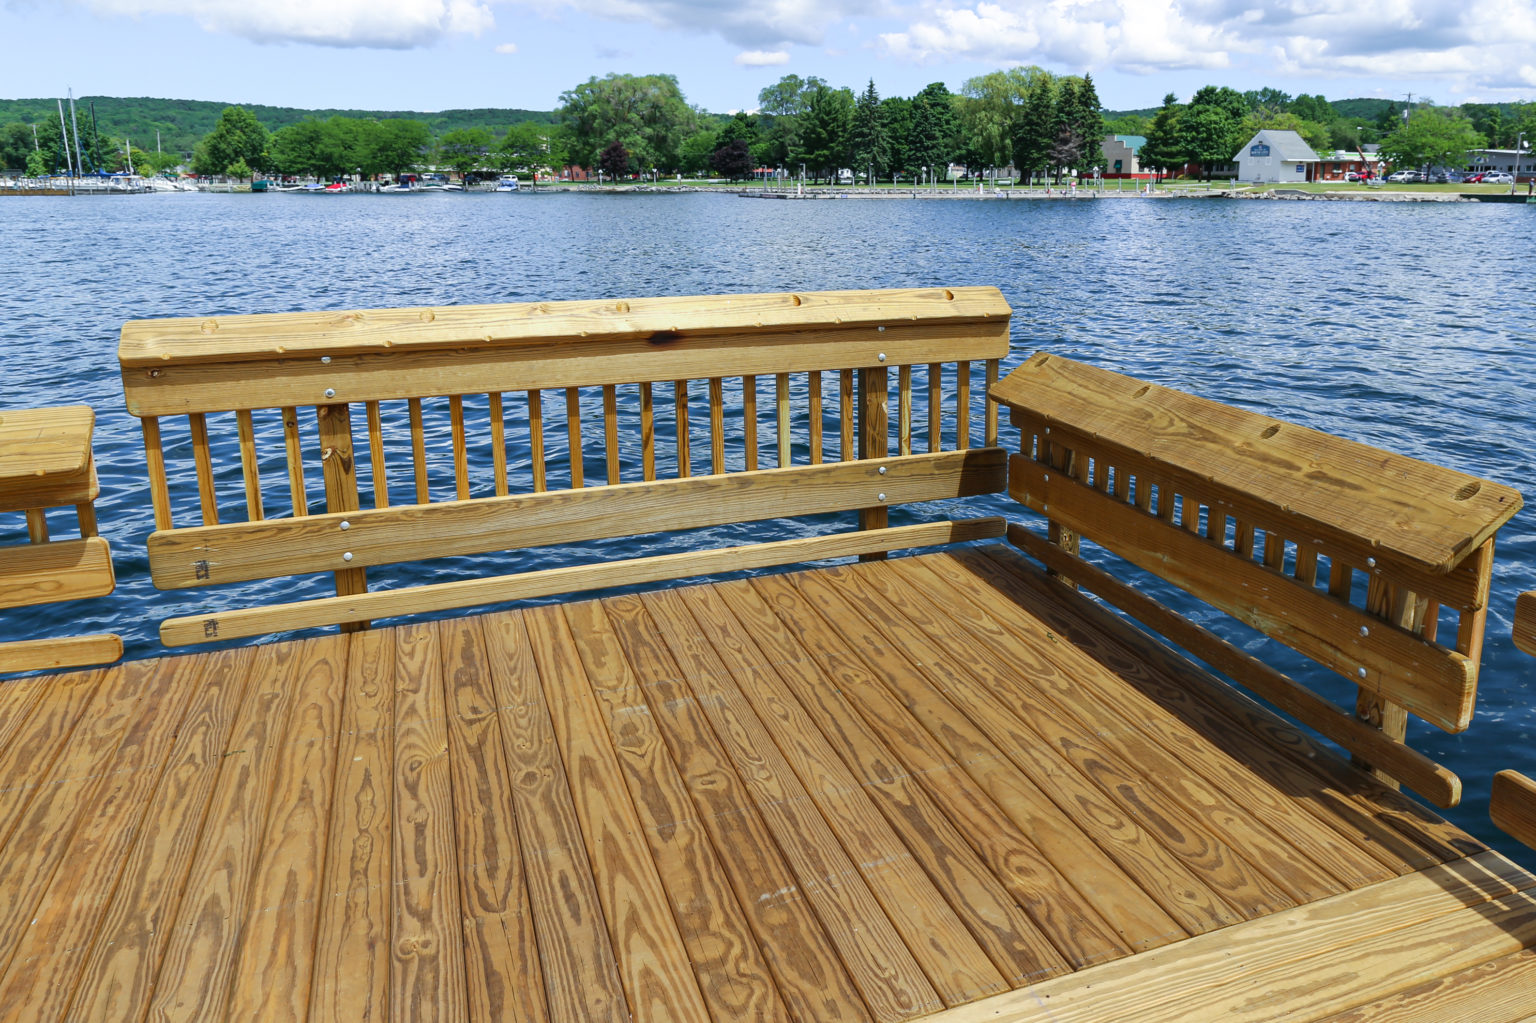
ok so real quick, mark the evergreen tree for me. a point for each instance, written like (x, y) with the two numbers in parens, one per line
(825, 128)
(868, 145)
(935, 129)
(1035, 128)
(1089, 118)
(897, 114)
(1164, 150)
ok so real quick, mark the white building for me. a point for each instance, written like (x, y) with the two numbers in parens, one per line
(1121, 155)
(1275, 156)
(1504, 160)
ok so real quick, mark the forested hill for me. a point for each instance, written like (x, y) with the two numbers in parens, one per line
(182, 122)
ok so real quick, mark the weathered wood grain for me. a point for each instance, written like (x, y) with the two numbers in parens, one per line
(352, 937)
(733, 976)
(500, 953)
(581, 979)
(1525, 622)
(56, 654)
(45, 573)
(1513, 806)
(45, 457)
(1499, 991)
(652, 961)
(426, 976)
(811, 978)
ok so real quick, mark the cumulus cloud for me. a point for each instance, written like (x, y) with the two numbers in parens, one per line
(759, 25)
(507, 48)
(381, 24)
(762, 58)
(1412, 39)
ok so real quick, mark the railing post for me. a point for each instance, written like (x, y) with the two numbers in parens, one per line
(339, 469)
(1404, 609)
(874, 439)
(1063, 460)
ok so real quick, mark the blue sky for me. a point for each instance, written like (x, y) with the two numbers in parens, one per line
(440, 54)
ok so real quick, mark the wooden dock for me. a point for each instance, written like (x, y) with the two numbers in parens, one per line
(942, 785)
(949, 786)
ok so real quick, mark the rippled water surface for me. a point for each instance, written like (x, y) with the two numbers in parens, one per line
(1402, 325)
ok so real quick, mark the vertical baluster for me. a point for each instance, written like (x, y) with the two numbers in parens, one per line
(1122, 484)
(1431, 621)
(498, 442)
(1469, 632)
(990, 439)
(680, 401)
(154, 457)
(204, 459)
(37, 525)
(1166, 500)
(1399, 606)
(1340, 579)
(573, 435)
(813, 390)
(1243, 539)
(1143, 490)
(647, 431)
(376, 456)
(904, 410)
(962, 405)
(1274, 551)
(338, 468)
(749, 418)
(845, 415)
(250, 469)
(419, 452)
(781, 400)
(460, 447)
(298, 494)
(1306, 565)
(935, 410)
(1189, 514)
(536, 439)
(716, 425)
(611, 431)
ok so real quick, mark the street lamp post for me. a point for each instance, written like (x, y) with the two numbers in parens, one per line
(1520, 144)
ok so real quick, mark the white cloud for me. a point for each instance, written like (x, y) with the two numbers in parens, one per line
(758, 25)
(507, 48)
(382, 24)
(762, 58)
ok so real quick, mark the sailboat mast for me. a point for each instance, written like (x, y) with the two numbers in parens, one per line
(79, 154)
(64, 139)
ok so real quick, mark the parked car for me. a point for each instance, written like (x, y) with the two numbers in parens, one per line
(1404, 177)
(1498, 178)
(1473, 179)
(1356, 176)
(1454, 177)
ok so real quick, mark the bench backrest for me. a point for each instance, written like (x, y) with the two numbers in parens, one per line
(709, 411)
(1372, 564)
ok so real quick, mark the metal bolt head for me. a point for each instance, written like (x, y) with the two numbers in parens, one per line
(880, 496)
(1361, 673)
(1365, 630)
(325, 360)
(1370, 562)
(882, 470)
(881, 356)
(330, 392)
(345, 525)
(347, 556)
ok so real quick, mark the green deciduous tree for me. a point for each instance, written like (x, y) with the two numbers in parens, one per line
(646, 114)
(465, 149)
(37, 165)
(696, 150)
(394, 146)
(781, 106)
(237, 136)
(988, 109)
(1431, 138)
(824, 131)
(1164, 149)
(732, 160)
(15, 145)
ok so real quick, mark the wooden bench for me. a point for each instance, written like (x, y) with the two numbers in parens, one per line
(46, 463)
(1512, 802)
(417, 378)
(1358, 558)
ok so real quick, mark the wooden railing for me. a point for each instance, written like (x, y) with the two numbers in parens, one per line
(566, 422)
(1371, 564)
(46, 465)
(1512, 800)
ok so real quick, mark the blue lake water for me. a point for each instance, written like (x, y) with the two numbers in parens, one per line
(1408, 326)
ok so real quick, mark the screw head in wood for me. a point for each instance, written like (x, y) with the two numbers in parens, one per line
(346, 525)
(880, 496)
(882, 470)
(881, 356)
(1361, 673)
(325, 360)
(1365, 630)
(330, 392)
(348, 557)
(1370, 562)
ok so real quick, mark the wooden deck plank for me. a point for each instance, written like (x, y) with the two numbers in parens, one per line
(894, 987)
(500, 950)
(1499, 991)
(1317, 779)
(352, 939)
(1063, 685)
(581, 979)
(35, 738)
(45, 957)
(1018, 713)
(17, 698)
(811, 978)
(42, 832)
(953, 962)
(126, 949)
(195, 971)
(1303, 963)
(948, 701)
(1016, 946)
(427, 980)
(277, 945)
(1170, 737)
(652, 961)
(732, 974)
(1075, 893)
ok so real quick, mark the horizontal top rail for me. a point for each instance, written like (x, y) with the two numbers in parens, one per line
(45, 457)
(1398, 509)
(147, 343)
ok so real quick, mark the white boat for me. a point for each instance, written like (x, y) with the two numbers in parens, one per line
(507, 183)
